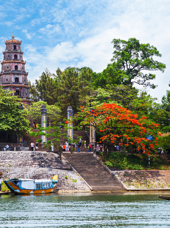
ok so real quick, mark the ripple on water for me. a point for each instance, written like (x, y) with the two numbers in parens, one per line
(85, 211)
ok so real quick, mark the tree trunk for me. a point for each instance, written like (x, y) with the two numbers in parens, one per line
(105, 150)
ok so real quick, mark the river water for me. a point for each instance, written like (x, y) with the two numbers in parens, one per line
(131, 211)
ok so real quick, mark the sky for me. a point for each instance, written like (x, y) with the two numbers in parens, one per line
(76, 33)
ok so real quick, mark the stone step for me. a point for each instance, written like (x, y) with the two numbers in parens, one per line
(93, 172)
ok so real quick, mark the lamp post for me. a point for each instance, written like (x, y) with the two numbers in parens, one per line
(44, 122)
(70, 123)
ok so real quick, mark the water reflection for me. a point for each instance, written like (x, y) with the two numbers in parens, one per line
(85, 210)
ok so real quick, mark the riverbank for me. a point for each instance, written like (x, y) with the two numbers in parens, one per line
(144, 180)
(37, 165)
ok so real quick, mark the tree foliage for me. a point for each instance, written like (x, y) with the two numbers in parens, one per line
(13, 117)
(119, 126)
(134, 58)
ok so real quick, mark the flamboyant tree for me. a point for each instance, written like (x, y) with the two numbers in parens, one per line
(119, 126)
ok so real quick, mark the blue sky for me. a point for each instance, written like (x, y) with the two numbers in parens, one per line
(78, 33)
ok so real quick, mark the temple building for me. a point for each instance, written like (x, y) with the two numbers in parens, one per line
(13, 75)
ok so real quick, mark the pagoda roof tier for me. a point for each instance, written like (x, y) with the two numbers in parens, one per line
(13, 61)
(13, 51)
(14, 72)
(13, 41)
(14, 84)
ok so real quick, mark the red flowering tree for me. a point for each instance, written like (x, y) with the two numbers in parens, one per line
(119, 126)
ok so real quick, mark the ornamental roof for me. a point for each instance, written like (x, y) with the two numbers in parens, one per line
(13, 40)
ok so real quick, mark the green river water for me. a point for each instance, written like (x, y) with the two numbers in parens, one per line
(86, 210)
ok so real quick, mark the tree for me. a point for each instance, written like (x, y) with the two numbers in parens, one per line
(134, 58)
(109, 76)
(165, 108)
(45, 89)
(74, 86)
(119, 126)
(12, 118)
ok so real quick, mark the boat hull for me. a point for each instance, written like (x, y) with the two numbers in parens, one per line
(17, 190)
(165, 197)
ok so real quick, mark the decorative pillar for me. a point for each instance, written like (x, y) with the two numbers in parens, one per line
(92, 134)
(70, 122)
(44, 122)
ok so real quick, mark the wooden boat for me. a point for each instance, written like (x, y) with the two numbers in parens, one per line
(32, 186)
(165, 197)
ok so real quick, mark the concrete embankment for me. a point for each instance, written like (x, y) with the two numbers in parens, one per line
(27, 164)
(144, 180)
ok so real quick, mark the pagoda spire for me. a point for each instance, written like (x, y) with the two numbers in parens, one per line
(13, 35)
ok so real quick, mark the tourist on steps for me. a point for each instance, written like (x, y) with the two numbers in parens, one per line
(79, 145)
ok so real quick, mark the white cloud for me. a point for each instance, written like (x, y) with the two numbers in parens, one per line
(79, 33)
(28, 35)
(50, 29)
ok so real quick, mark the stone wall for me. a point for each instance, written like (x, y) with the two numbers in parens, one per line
(37, 165)
(144, 179)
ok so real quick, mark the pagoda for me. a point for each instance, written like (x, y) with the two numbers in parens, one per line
(13, 75)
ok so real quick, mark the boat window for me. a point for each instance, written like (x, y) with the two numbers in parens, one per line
(46, 185)
(16, 182)
(38, 186)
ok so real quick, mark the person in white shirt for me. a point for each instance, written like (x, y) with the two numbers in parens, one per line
(32, 146)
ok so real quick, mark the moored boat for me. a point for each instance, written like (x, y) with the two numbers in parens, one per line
(165, 197)
(32, 186)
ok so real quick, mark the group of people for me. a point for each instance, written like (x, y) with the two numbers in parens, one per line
(98, 147)
(34, 146)
(66, 146)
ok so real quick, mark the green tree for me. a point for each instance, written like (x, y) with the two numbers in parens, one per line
(13, 117)
(109, 76)
(74, 87)
(134, 58)
(45, 89)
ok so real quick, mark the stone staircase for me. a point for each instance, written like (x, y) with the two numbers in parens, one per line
(93, 172)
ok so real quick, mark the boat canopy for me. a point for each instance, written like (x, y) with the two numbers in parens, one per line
(27, 184)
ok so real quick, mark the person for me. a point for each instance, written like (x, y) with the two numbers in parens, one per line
(97, 147)
(84, 144)
(79, 145)
(6, 148)
(75, 147)
(32, 146)
(101, 148)
(89, 148)
(64, 147)
(66, 143)
(36, 145)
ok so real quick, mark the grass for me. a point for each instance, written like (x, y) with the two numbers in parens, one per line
(4, 188)
(127, 161)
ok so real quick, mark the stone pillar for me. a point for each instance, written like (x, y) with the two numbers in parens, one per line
(44, 122)
(70, 122)
(92, 134)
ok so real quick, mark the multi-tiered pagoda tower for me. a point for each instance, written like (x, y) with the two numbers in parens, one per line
(13, 75)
